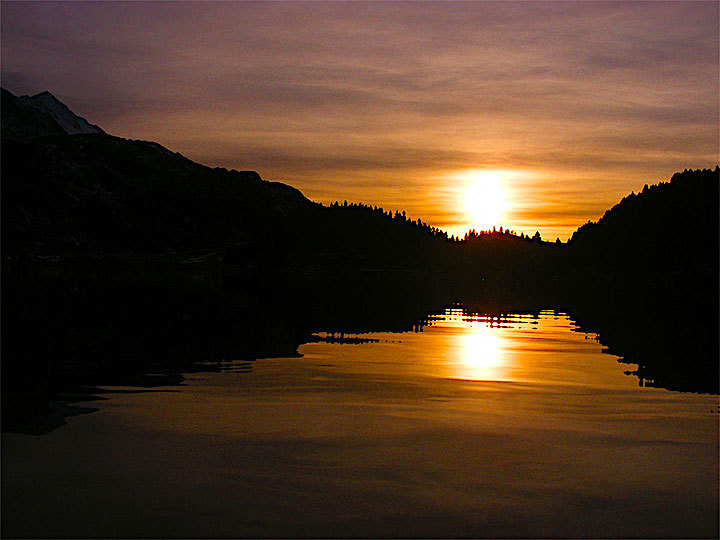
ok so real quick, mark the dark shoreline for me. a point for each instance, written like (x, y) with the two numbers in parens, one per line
(72, 324)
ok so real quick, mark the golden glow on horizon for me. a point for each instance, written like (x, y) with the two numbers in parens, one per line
(485, 199)
(485, 196)
(518, 199)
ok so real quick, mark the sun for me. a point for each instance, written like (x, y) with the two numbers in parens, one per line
(484, 199)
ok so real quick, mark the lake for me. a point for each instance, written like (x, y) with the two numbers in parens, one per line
(470, 425)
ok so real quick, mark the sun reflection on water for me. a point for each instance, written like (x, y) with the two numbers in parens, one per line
(482, 357)
(456, 344)
(482, 347)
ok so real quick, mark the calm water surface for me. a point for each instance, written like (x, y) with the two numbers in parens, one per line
(474, 426)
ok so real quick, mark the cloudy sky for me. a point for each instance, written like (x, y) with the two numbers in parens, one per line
(568, 106)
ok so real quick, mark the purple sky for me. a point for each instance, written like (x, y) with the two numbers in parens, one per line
(570, 105)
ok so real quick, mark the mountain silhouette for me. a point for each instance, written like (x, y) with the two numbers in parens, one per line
(95, 193)
(22, 122)
(671, 226)
(71, 123)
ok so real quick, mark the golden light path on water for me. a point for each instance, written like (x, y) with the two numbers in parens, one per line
(517, 347)
(480, 353)
(473, 425)
(485, 348)
(483, 358)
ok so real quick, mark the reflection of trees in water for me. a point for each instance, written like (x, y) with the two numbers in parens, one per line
(62, 332)
(66, 328)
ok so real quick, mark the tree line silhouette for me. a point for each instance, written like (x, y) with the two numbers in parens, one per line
(400, 217)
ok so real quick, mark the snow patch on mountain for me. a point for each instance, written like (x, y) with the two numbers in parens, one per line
(68, 120)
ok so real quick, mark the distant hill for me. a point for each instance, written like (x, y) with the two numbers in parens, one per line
(672, 225)
(660, 245)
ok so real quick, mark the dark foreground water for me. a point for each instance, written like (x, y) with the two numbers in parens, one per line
(474, 426)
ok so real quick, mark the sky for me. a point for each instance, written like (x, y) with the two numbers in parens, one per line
(527, 115)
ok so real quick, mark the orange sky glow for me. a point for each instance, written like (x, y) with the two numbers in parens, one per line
(527, 115)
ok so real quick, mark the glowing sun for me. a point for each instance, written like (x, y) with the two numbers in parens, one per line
(484, 199)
